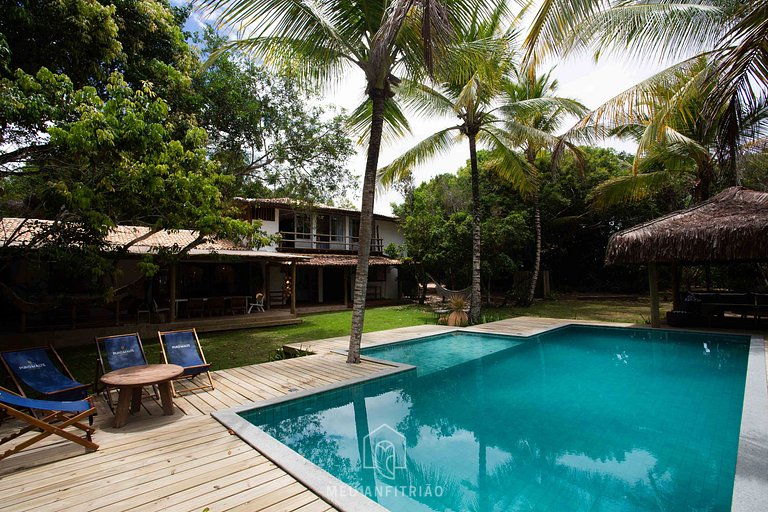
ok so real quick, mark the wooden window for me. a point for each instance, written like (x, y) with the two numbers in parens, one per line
(264, 213)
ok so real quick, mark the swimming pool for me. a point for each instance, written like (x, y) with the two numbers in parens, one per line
(580, 418)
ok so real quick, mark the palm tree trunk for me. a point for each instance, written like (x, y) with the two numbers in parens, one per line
(537, 257)
(378, 97)
(474, 308)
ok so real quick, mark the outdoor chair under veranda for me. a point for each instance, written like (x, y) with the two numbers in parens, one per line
(238, 305)
(54, 418)
(257, 303)
(33, 369)
(183, 348)
(215, 306)
(118, 352)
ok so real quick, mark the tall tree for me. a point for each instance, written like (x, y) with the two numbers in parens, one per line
(532, 114)
(97, 150)
(320, 41)
(270, 135)
(467, 85)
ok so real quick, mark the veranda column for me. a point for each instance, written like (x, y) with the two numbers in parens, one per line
(293, 288)
(653, 284)
(172, 292)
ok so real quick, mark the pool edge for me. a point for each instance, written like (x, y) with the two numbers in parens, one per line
(750, 485)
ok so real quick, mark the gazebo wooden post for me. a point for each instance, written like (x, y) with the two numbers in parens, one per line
(653, 284)
(293, 288)
(675, 287)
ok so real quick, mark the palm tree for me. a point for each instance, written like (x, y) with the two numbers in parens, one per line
(532, 114)
(730, 33)
(665, 115)
(466, 85)
(318, 42)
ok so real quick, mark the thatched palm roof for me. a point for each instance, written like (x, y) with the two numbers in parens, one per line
(732, 226)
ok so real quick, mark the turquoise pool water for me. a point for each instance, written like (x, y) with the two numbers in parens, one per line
(577, 419)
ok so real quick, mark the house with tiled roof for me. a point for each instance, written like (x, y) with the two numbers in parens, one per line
(328, 237)
(312, 262)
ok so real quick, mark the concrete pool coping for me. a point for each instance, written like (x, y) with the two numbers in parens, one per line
(750, 489)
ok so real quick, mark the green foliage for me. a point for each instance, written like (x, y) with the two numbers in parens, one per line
(435, 225)
(268, 134)
(102, 123)
(72, 37)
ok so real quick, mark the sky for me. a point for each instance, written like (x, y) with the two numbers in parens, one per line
(579, 78)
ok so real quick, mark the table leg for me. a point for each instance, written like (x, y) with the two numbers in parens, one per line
(166, 397)
(136, 400)
(123, 406)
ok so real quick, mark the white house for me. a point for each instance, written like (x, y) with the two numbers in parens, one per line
(328, 236)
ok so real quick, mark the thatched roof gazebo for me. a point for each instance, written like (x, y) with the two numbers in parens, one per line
(730, 227)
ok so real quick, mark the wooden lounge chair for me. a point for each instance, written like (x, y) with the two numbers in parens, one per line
(118, 352)
(34, 368)
(183, 348)
(55, 418)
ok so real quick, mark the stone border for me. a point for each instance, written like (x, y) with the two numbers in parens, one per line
(750, 488)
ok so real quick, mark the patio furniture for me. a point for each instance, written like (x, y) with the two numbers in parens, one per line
(120, 351)
(143, 310)
(215, 306)
(183, 348)
(34, 368)
(130, 381)
(195, 306)
(238, 305)
(161, 313)
(257, 303)
(56, 417)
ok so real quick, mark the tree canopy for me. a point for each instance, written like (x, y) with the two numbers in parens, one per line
(106, 119)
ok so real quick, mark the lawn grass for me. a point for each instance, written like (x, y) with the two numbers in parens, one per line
(229, 349)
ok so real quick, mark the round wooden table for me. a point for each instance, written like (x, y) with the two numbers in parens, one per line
(129, 382)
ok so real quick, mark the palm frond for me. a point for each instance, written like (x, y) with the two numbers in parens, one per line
(507, 163)
(626, 189)
(395, 123)
(648, 31)
(400, 168)
(423, 100)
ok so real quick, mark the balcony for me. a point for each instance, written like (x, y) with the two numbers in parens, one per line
(292, 241)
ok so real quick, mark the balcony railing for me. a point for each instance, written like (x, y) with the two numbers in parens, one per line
(291, 240)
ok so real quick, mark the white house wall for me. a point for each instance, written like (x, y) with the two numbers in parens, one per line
(390, 233)
(271, 227)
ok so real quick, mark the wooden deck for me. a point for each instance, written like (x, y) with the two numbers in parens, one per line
(189, 462)
(518, 326)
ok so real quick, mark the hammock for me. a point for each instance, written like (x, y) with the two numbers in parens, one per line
(463, 294)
